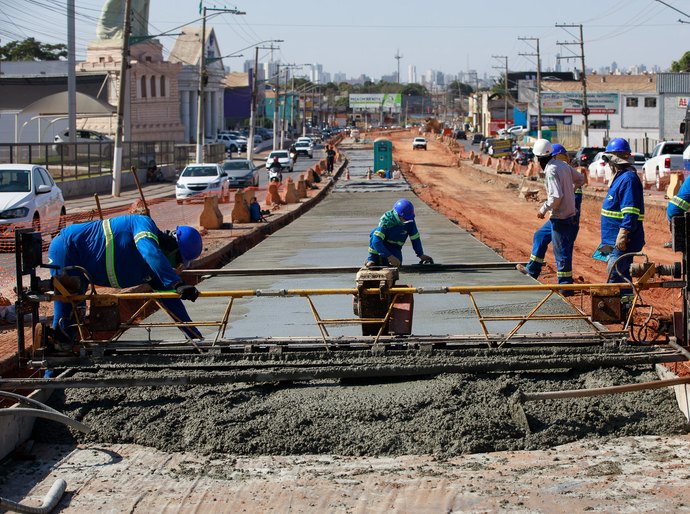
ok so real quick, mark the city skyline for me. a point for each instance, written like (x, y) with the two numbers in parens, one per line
(363, 38)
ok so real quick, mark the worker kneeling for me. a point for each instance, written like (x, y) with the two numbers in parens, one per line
(387, 239)
(120, 252)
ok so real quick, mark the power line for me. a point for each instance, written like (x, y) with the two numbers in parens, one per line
(537, 54)
(581, 43)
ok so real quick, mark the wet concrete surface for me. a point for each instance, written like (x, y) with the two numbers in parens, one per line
(447, 415)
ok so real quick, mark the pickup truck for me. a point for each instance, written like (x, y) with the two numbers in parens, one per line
(667, 156)
(419, 142)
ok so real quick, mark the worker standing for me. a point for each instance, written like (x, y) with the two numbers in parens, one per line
(622, 214)
(330, 158)
(561, 204)
(120, 252)
(387, 239)
(542, 237)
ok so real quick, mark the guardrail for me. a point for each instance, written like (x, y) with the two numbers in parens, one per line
(71, 161)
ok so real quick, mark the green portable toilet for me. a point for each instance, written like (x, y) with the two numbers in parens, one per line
(383, 154)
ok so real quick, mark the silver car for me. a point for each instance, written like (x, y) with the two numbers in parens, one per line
(241, 173)
(200, 180)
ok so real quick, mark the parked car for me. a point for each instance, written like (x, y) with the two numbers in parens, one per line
(460, 134)
(638, 160)
(304, 148)
(666, 156)
(477, 138)
(29, 198)
(283, 158)
(419, 143)
(89, 142)
(202, 180)
(585, 155)
(599, 168)
(241, 173)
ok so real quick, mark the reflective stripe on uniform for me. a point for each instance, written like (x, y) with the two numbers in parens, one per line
(110, 254)
(416, 236)
(379, 234)
(564, 273)
(536, 259)
(399, 243)
(620, 215)
(371, 250)
(680, 203)
(142, 234)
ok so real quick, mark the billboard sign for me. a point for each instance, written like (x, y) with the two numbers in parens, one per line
(375, 102)
(571, 103)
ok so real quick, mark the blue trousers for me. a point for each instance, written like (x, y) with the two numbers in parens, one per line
(563, 233)
(624, 267)
(542, 239)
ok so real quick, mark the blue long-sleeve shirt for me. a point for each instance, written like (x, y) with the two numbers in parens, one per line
(623, 207)
(679, 204)
(390, 235)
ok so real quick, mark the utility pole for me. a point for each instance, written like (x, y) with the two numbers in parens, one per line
(276, 107)
(203, 80)
(282, 114)
(255, 89)
(581, 43)
(479, 106)
(124, 65)
(537, 54)
(505, 87)
(71, 74)
(397, 57)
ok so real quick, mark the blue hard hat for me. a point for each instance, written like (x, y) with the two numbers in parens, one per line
(558, 149)
(618, 144)
(405, 209)
(189, 242)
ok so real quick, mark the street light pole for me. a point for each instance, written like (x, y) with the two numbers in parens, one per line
(124, 65)
(203, 79)
(276, 106)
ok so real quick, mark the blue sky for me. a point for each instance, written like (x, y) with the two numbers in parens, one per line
(360, 36)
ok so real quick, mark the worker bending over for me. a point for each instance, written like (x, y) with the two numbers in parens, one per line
(387, 239)
(124, 251)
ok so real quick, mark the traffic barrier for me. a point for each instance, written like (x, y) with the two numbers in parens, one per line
(301, 187)
(488, 162)
(476, 160)
(368, 173)
(273, 197)
(291, 195)
(240, 211)
(211, 218)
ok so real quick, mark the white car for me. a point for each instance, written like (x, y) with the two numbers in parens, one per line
(283, 158)
(599, 169)
(305, 139)
(90, 143)
(304, 148)
(419, 142)
(29, 198)
(201, 180)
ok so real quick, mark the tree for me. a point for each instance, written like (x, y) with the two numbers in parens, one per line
(458, 88)
(32, 50)
(415, 90)
(682, 64)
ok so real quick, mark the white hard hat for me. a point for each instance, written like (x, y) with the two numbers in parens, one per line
(542, 148)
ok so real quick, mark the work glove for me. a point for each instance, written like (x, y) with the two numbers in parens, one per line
(187, 292)
(622, 239)
(425, 259)
(394, 261)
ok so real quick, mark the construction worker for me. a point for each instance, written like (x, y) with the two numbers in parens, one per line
(622, 214)
(387, 239)
(680, 203)
(124, 251)
(560, 203)
(330, 158)
(542, 237)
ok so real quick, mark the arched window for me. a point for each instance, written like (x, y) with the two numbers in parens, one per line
(162, 85)
(143, 86)
(153, 86)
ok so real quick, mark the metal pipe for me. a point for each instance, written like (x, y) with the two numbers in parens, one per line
(53, 416)
(420, 268)
(678, 347)
(330, 372)
(49, 502)
(600, 391)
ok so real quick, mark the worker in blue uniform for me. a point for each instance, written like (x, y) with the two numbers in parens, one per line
(680, 203)
(622, 214)
(387, 239)
(124, 251)
(542, 237)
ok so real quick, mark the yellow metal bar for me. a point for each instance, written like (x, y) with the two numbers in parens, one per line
(384, 323)
(479, 317)
(525, 319)
(224, 321)
(319, 323)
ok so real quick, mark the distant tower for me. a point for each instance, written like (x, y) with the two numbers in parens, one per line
(397, 57)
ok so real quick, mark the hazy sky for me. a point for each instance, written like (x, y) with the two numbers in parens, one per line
(360, 36)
